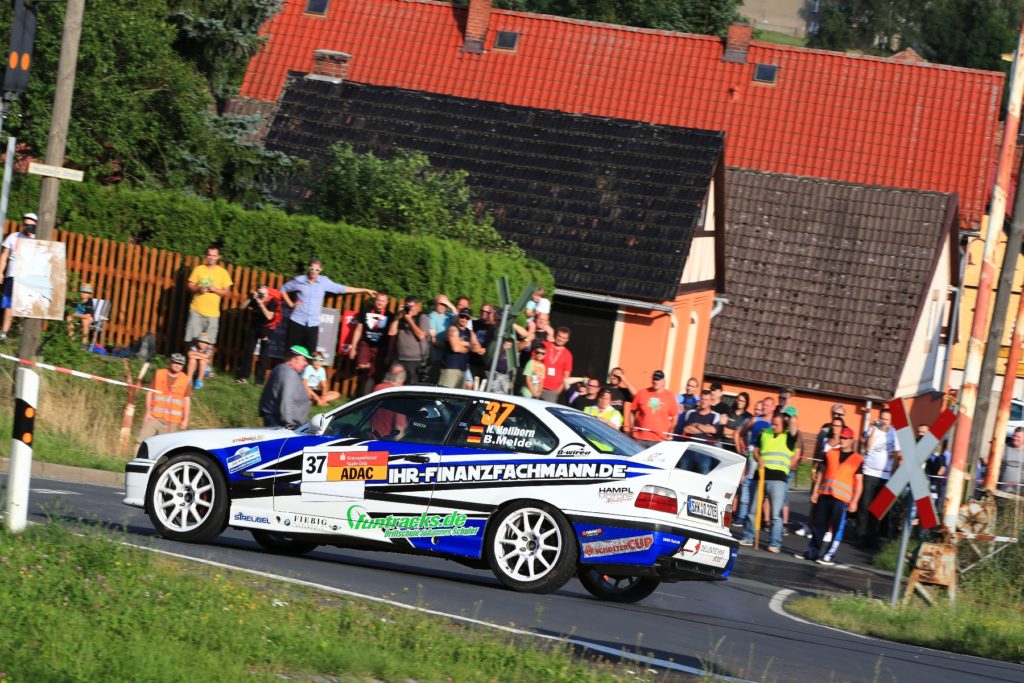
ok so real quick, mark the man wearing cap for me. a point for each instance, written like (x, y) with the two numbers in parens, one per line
(461, 341)
(168, 409)
(85, 311)
(284, 401)
(199, 355)
(653, 412)
(304, 324)
(836, 491)
(9, 247)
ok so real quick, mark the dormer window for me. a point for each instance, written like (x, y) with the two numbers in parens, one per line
(316, 6)
(766, 73)
(507, 40)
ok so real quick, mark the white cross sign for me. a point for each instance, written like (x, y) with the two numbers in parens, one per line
(911, 470)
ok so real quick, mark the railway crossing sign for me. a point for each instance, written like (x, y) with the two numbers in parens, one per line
(911, 470)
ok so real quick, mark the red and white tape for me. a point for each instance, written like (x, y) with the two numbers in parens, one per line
(74, 373)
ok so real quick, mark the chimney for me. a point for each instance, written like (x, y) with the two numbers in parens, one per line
(477, 22)
(329, 65)
(737, 40)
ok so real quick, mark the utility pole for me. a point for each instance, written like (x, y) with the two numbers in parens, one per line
(979, 326)
(56, 143)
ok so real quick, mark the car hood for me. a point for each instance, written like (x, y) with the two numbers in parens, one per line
(210, 439)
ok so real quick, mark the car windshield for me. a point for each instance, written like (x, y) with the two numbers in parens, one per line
(604, 438)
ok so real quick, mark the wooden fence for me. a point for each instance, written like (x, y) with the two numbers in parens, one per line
(147, 290)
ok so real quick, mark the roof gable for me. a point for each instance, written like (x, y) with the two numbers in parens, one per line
(610, 206)
(851, 118)
(825, 281)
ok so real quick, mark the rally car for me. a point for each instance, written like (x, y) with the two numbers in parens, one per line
(534, 491)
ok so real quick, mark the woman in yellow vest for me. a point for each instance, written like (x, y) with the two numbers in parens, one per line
(776, 453)
(167, 410)
(837, 489)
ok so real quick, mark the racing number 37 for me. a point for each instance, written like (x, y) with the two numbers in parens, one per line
(496, 412)
(315, 464)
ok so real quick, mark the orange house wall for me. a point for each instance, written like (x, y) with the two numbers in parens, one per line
(647, 336)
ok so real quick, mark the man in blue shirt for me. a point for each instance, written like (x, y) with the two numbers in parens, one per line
(304, 325)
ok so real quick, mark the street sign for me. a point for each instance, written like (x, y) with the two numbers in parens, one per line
(56, 172)
(504, 297)
(911, 470)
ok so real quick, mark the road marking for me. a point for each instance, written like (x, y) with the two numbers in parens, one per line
(621, 654)
(777, 605)
(56, 492)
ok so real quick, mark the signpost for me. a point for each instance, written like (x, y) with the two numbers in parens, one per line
(58, 172)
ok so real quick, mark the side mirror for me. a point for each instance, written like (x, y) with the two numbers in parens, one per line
(318, 424)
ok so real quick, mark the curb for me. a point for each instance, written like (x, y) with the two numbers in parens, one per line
(80, 475)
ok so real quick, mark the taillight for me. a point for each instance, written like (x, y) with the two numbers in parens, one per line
(727, 517)
(658, 498)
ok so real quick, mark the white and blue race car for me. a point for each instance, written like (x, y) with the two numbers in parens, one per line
(534, 491)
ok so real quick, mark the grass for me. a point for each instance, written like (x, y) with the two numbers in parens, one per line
(125, 614)
(779, 38)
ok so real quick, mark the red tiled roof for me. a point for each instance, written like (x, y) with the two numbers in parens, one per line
(830, 115)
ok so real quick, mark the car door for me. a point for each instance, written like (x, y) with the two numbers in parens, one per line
(368, 476)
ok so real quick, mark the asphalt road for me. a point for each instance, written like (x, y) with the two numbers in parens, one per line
(734, 628)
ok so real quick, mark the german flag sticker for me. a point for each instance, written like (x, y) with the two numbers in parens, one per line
(473, 439)
(476, 429)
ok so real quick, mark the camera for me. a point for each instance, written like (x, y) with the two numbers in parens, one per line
(406, 308)
(258, 294)
(879, 424)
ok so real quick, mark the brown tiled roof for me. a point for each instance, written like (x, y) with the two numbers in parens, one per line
(825, 281)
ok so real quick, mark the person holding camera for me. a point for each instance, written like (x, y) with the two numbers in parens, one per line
(411, 332)
(262, 314)
(881, 455)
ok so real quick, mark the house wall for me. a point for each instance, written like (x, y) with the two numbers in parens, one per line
(921, 372)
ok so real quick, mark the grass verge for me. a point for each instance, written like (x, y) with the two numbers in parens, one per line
(779, 38)
(125, 614)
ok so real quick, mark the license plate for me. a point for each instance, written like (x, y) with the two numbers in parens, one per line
(705, 509)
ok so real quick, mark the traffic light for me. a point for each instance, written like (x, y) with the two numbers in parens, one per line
(19, 56)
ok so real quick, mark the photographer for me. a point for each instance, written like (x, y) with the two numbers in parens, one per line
(410, 328)
(261, 317)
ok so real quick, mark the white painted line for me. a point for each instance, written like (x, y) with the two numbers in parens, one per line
(56, 492)
(621, 654)
(777, 605)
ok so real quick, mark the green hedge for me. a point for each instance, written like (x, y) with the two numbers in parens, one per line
(273, 240)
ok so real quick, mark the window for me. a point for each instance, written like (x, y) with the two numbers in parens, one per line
(605, 439)
(694, 460)
(766, 73)
(1016, 412)
(316, 6)
(410, 419)
(506, 40)
(497, 425)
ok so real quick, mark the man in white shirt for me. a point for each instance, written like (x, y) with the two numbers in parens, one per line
(881, 456)
(10, 245)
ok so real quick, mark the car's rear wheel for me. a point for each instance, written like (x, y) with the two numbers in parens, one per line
(281, 544)
(617, 588)
(188, 500)
(531, 547)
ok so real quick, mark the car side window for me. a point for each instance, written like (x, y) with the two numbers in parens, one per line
(414, 419)
(499, 425)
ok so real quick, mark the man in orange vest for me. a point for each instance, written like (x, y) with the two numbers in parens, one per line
(167, 410)
(837, 489)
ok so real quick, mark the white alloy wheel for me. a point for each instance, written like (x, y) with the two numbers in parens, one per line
(188, 501)
(532, 548)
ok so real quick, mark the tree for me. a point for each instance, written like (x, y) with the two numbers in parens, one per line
(971, 33)
(402, 194)
(711, 17)
(874, 26)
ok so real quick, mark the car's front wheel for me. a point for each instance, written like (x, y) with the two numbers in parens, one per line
(281, 544)
(617, 588)
(188, 500)
(531, 547)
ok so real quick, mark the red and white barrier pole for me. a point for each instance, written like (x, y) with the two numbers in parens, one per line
(19, 475)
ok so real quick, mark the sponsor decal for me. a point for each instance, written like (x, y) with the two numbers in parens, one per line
(246, 439)
(310, 522)
(618, 546)
(704, 552)
(411, 526)
(571, 450)
(508, 437)
(242, 517)
(707, 489)
(476, 429)
(472, 439)
(506, 472)
(592, 533)
(615, 494)
(344, 466)
(243, 457)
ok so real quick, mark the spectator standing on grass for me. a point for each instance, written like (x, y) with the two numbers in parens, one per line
(310, 289)
(836, 491)
(604, 411)
(209, 283)
(315, 379)
(881, 454)
(261, 317)
(410, 329)
(557, 366)
(7, 255)
(285, 401)
(701, 423)
(778, 451)
(168, 409)
(370, 343)
(85, 310)
(200, 353)
(653, 412)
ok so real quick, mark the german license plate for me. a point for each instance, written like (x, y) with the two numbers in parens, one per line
(705, 509)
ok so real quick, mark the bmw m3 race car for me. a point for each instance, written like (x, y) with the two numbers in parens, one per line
(534, 491)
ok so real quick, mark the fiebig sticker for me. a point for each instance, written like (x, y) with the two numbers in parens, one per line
(618, 546)
(506, 472)
(411, 526)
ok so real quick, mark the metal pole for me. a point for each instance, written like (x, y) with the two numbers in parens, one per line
(995, 456)
(904, 541)
(979, 326)
(19, 476)
(5, 193)
(499, 342)
(56, 143)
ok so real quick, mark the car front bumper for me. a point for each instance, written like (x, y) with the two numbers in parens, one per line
(136, 481)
